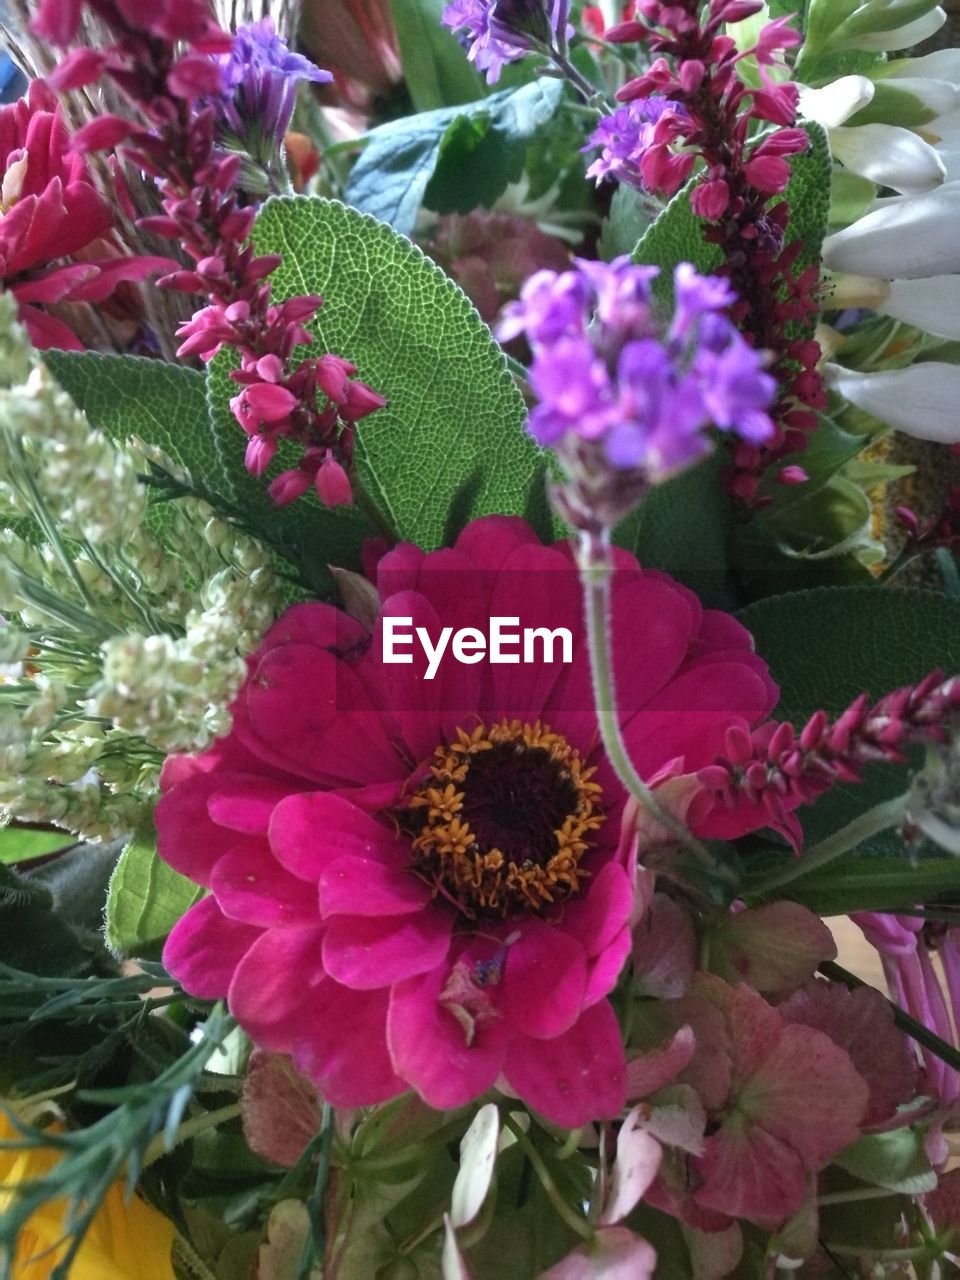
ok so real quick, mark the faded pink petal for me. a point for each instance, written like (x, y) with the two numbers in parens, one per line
(772, 948)
(861, 1022)
(795, 1100)
(664, 949)
(635, 1167)
(648, 1072)
(281, 1109)
(613, 1254)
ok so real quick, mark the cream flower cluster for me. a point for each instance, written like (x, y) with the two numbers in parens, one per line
(125, 625)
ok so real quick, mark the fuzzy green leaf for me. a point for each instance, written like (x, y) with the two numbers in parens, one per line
(131, 396)
(145, 900)
(451, 445)
(683, 527)
(827, 646)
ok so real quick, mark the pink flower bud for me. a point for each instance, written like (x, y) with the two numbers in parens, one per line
(738, 10)
(769, 174)
(288, 486)
(691, 75)
(332, 374)
(269, 368)
(102, 134)
(193, 76)
(710, 200)
(333, 484)
(268, 402)
(259, 454)
(78, 68)
(361, 400)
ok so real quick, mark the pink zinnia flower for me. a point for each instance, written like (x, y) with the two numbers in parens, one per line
(421, 883)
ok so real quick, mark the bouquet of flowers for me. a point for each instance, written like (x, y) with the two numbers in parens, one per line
(350, 352)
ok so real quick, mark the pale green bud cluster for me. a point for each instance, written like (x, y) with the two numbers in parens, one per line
(124, 625)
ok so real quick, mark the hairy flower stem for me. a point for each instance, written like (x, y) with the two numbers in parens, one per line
(574, 1220)
(596, 570)
(880, 818)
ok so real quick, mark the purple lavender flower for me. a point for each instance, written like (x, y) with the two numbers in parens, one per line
(615, 392)
(626, 136)
(260, 77)
(501, 31)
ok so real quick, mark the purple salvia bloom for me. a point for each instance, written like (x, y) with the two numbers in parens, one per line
(260, 78)
(625, 136)
(496, 32)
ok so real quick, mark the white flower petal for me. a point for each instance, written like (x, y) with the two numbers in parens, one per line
(945, 131)
(836, 102)
(943, 64)
(901, 37)
(922, 400)
(906, 237)
(939, 96)
(932, 304)
(890, 156)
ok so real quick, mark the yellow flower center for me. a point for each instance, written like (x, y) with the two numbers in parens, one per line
(506, 817)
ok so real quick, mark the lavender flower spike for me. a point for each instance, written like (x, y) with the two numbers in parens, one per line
(260, 77)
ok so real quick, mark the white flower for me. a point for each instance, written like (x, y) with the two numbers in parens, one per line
(922, 400)
(931, 303)
(905, 237)
(890, 156)
(836, 102)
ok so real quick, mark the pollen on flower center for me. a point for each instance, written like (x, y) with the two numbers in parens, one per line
(506, 814)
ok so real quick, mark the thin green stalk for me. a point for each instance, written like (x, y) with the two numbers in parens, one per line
(189, 1129)
(881, 818)
(853, 1197)
(575, 1221)
(596, 570)
(315, 1246)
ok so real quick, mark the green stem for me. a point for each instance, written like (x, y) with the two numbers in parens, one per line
(575, 1221)
(591, 95)
(881, 818)
(879, 1255)
(905, 1021)
(853, 1197)
(315, 1246)
(190, 1129)
(596, 570)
